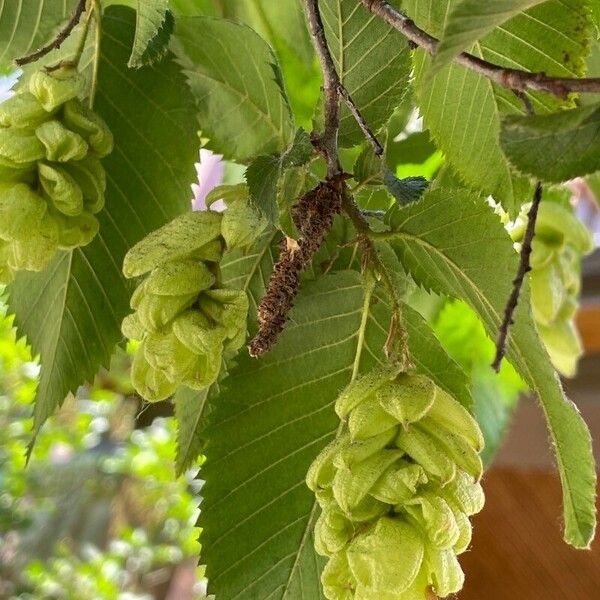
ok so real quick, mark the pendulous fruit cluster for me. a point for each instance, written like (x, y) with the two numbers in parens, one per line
(185, 319)
(396, 490)
(560, 242)
(51, 180)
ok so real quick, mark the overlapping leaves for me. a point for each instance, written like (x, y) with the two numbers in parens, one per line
(271, 420)
(449, 241)
(463, 110)
(242, 106)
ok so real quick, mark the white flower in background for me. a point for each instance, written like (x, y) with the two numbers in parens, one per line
(210, 174)
(6, 84)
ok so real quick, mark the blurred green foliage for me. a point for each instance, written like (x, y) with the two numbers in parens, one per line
(98, 513)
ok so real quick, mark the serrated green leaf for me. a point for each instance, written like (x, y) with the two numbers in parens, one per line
(153, 29)
(72, 312)
(372, 60)
(432, 360)
(265, 172)
(536, 145)
(454, 244)
(262, 176)
(469, 21)
(25, 25)
(242, 104)
(463, 110)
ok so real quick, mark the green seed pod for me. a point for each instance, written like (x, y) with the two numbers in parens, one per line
(351, 486)
(61, 188)
(53, 89)
(369, 419)
(80, 119)
(408, 398)
(435, 518)
(228, 308)
(206, 371)
(75, 231)
(451, 415)
(149, 382)
(465, 531)
(155, 312)
(132, 327)
(396, 499)
(424, 450)
(22, 110)
(61, 144)
(322, 470)
(333, 530)
(179, 277)
(399, 483)
(242, 224)
(363, 388)
(353, 452)
(211, 252)
(548, 293)
(6, 272)
(20, 148)
(39, 150)
(12, 172)
(196, 331)
(541, 254)
(91, 178)
(456, 447)
(466, 493)
(338, 581)
(387, 558)
(21, 211)
(557, 224)
(164, 352)
(35, 250)
(175, 240)
(564, 346)
(446, 574)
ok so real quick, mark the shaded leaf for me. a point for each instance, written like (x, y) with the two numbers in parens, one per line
(265, 172)
(153, 29)
(242, 104)
(372, 60)
(469, 21)
(26, 25)
(554, 147)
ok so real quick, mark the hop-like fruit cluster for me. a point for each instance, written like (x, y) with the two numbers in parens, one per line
(184, 318)
(396, 490)
(51, 180)
(560, 242)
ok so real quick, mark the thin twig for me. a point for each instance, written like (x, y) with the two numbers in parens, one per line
(328, 142)
(362, 123)
(513, 79)
(524, 268)
(58, 40)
